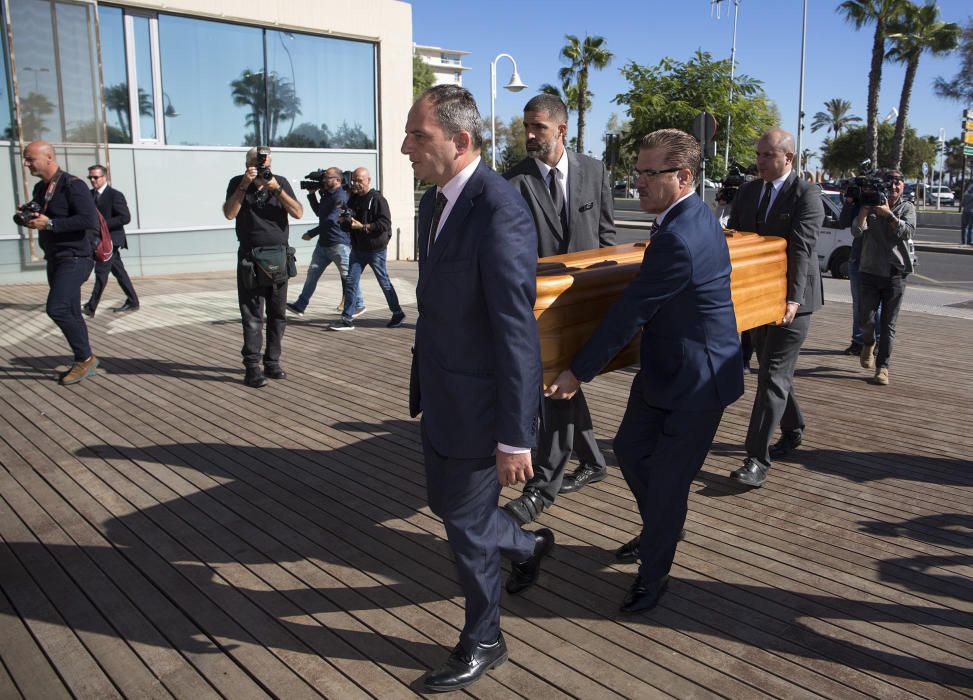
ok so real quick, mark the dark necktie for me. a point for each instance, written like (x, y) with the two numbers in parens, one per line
(436, 214)
(764, 204)
(655, 229)
(94, 195)
(557, 197)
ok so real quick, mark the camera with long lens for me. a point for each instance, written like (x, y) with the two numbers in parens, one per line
(313, 181)
(263, 172)
(27, 212)
(736, 176)
(868, 189)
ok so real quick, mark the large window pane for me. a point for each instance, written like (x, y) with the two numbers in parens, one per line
(6, 120)
(78, 59)
(142, 37)
(115, 74)
(213, 82)
(322, 91)
(40, 105)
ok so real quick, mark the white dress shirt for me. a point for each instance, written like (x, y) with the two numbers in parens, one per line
(451, 192)
(562, 175)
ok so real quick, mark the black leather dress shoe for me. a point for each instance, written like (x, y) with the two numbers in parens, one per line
(127, 306)
(274, 372)
(88, 311)
(462, 669)
(629, 552)
(254, 378)
(790, 440)
(523, 574)
(582, 476)
(527, 508)
(644, 595)
(752, 473)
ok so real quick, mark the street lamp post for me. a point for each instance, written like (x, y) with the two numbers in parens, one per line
(515, 85)
(800, 101)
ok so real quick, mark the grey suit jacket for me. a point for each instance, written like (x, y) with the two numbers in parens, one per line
(796, 216)
(591, 211)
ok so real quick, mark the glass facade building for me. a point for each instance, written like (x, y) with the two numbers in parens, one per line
(173, 97)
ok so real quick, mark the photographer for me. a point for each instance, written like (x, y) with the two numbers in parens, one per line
(885, 230)
(260, 202)
(369, 221)
(64, 215)
(334, 244)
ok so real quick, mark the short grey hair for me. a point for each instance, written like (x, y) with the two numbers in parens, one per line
(456, 111)
(681, 150)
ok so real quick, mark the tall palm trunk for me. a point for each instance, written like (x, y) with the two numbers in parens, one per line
(874, 85)
(582, 93)
(898, 140)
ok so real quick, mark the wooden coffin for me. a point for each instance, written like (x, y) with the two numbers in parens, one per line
(575, 290)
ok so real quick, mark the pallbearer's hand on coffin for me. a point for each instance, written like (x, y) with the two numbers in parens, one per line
(789, 313)
(563, 387)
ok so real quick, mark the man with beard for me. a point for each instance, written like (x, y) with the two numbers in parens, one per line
(569, 196)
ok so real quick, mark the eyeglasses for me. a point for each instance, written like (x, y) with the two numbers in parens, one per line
(95, 177)
(649, 172)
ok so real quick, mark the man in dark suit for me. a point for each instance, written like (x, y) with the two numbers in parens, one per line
(570, 198)
(780, 204)
(476, 369)
(690, 355)
(112, 205)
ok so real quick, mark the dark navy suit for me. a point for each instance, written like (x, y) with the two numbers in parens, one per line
(112, 205)
(476, 378)
(690, 370)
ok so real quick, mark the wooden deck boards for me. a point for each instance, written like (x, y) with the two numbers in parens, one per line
(155, 543)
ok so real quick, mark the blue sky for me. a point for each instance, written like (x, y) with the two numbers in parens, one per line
(768, 48)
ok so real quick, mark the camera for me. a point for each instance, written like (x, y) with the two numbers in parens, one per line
(736, 176)
(867, 189)
(263, 172)
(313, 180)
(345, 216)
(27, 212)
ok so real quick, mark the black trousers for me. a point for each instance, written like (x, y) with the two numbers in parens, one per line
(883, 293)
(774, 403)
(660, 452)
(465, 493)
(65, 277)
(566, 427)
(252, 305)
(117, 268)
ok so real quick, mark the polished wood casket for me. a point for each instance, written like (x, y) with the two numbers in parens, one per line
(575, 290)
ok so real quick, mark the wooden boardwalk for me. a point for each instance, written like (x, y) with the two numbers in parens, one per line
(166, 531)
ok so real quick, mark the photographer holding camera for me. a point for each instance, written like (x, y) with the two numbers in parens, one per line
(334, 244)
(885, 224)
(64, 215)
(260, 202)
(369, 221)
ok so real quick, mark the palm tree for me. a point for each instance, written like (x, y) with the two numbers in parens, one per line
(581, 56)
(835, 117)
(917, 30)
(860, 13)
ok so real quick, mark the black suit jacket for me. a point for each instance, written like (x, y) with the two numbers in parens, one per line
(591, 211)
(114, 208)
(796, 216)
(476, 366)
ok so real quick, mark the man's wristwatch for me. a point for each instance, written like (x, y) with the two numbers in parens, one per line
(49, 226)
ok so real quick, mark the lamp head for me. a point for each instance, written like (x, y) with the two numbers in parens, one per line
(515, 84)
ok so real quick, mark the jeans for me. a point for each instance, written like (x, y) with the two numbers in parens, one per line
(116, 267)
(966, 227)
(252, 303)
(65, 277)
(854, 279)
(324, 255)
(888, 292)
(376, 260)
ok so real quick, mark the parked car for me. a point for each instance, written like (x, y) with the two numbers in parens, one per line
(621, 189)
(909, 193)
(940, 195)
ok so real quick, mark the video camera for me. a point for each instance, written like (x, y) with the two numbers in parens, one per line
(27, 212)
(313, 180)
(736, 176)
(868, 189)
(263, 172)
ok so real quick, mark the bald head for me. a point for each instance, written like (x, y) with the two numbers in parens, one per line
(775, 154)
(361, 181)
(40, 159)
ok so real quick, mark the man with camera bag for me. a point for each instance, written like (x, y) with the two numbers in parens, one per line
(369, 220)
(64, 215)
(884, 229)
(334, 244)
(112, 205)
(260, 203)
